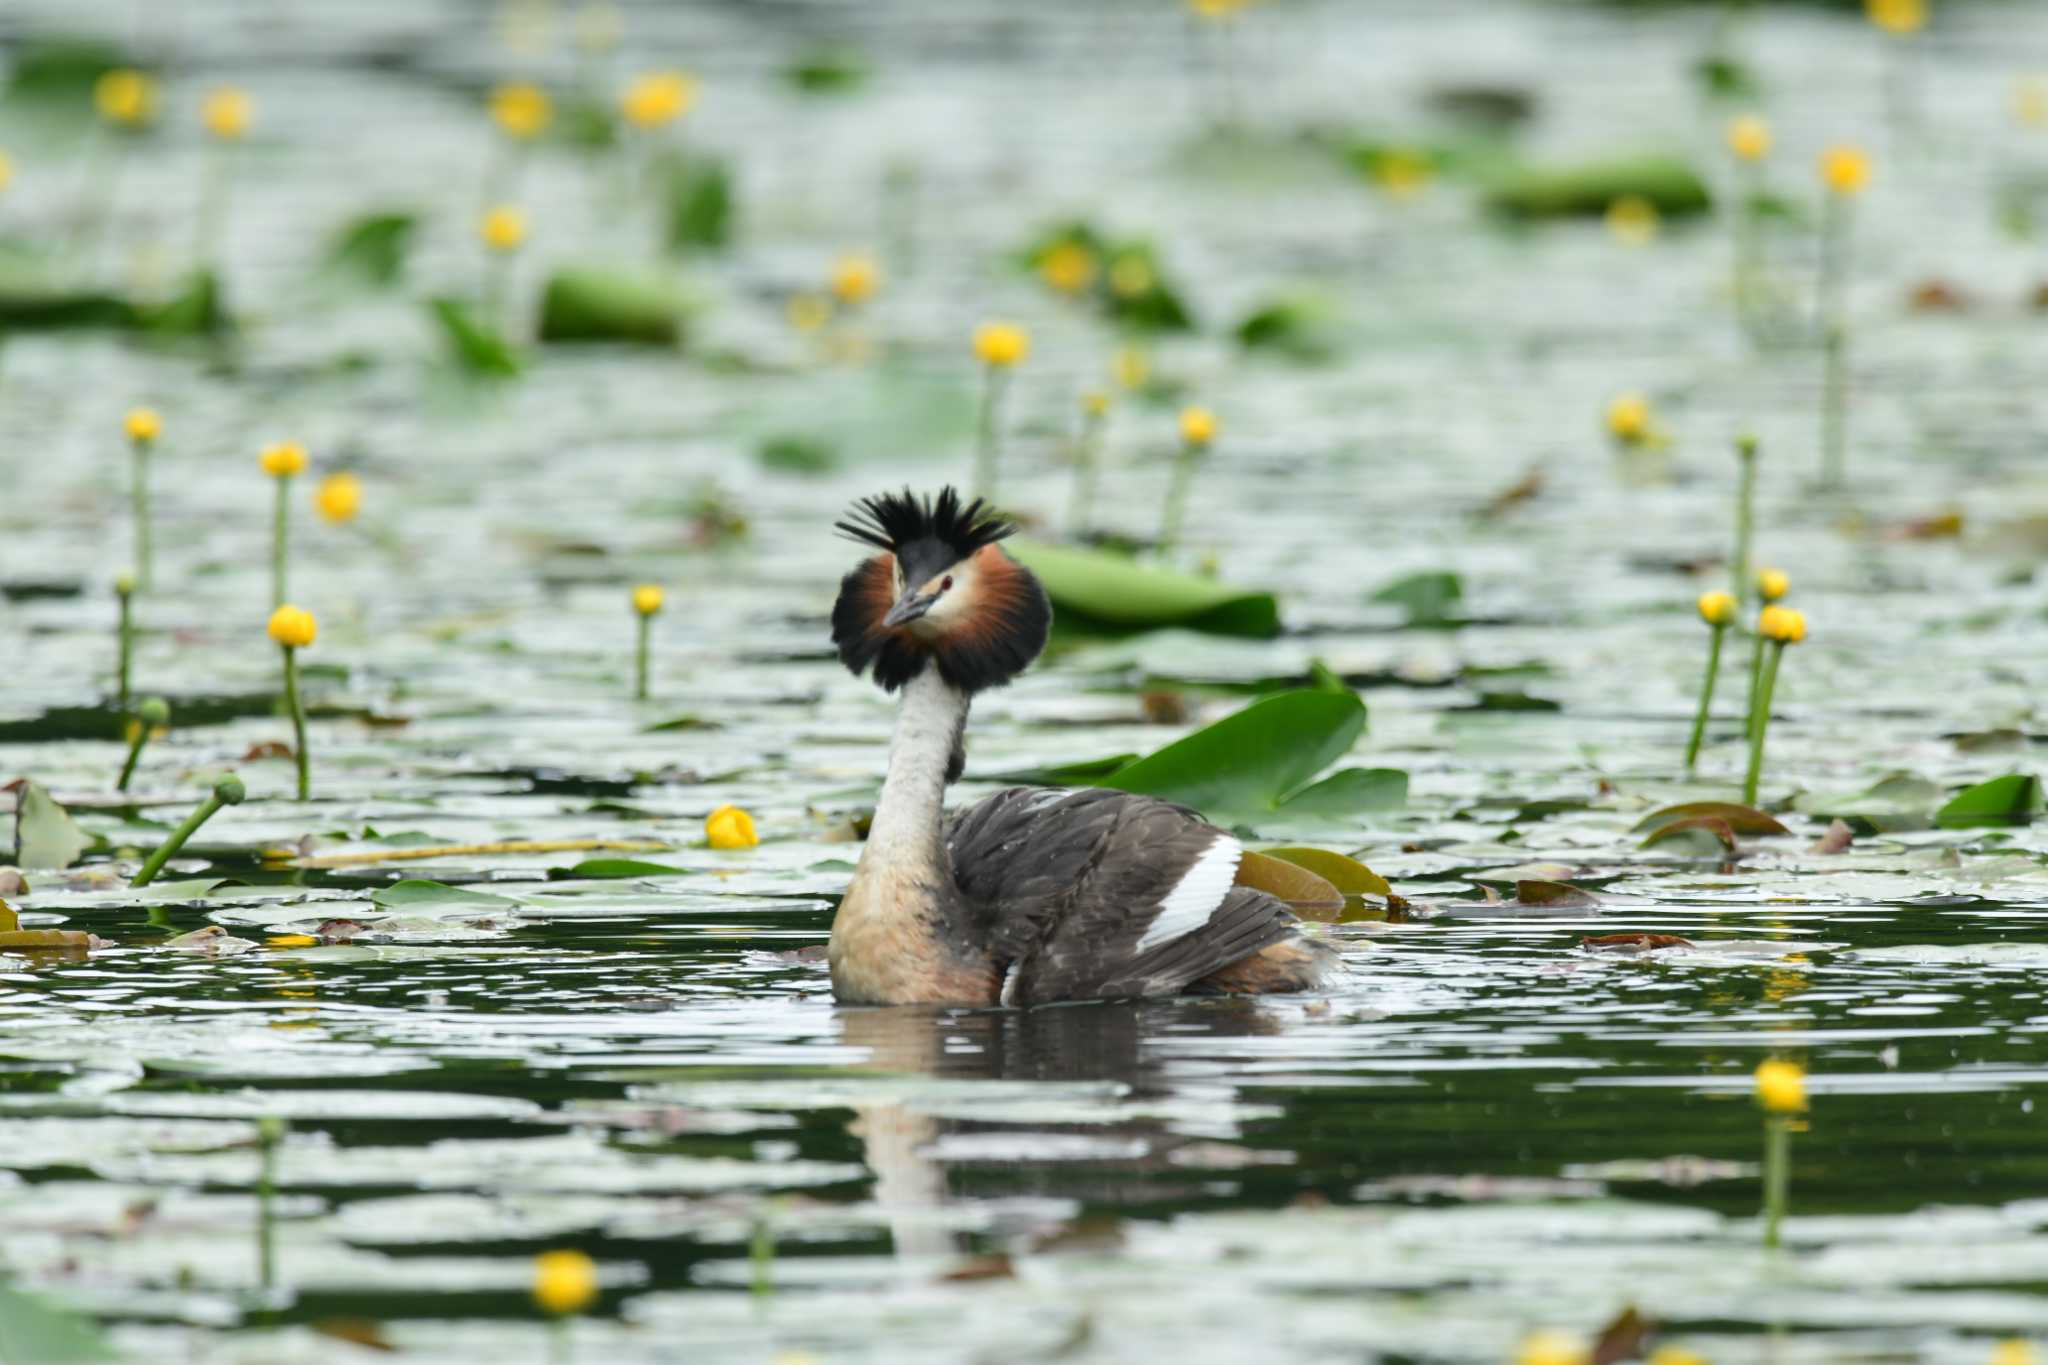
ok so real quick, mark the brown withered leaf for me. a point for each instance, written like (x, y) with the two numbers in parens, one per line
(1622, 1339)
(339, 930)
(268, 749)
(1938, 296)
(1164, 708)
(1837, 839)
(1530, 485)
(994, 1266)
(1634, 943)
(1712, 825)
(1553, 893)
(1740, 819)
(357, 1332)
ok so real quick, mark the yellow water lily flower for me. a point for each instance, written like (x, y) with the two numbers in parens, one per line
(2030, 102)
(1000, 345)
(1216, 9)
(1130, 367)
(293, 627)
(855, 278)
(730, 827)
(658, 98)
(1095, 402)
(282, 459)
(808, 312)
(503, 228)
(1749, 137)
(2014, 1351)
(1772, 584)
(1783, 624)
(1551, 1347)
(1629, 418)
(1633, 220)
(338, 497)
(1781, 1086)
(143, 425)
(522, 110)
(647, 599)
(6, 170)
(564, 1281)
(1198, 426)
(1130, 276)
(125, 96)
(1897, 16)
(227, 111)
(1068, 268)
(1718, 608)
(1845, 170)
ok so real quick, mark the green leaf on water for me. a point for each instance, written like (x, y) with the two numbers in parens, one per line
(476, 347)
(600, 303)
(33, 1330)
(1585, 190)
(1703, 834)
(1348, 875)
(1110, 592)
(415, 894)
(700, 204)
(371, 248)
(832, 70)
(1351, 791)
(1897, 801)
(44, 834)
(599, 868)
(1429, 598)
(1740, 819)
(1300, 327)
(1253, 760)
(2013, 799)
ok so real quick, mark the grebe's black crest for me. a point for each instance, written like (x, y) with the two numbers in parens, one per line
(941, 592)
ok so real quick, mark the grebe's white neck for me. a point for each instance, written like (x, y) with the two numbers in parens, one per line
(909, 815)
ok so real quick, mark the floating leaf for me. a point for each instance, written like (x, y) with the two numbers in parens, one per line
(1740, 819)
(415, 895)
(1288, 881)
(34, 1330)
(596, 868)
(44, 834)
(19, 940)
(1111, 592)
(477, 348)
(700, 204)
(1704, 834)
(1671, 186)
(597, 303)
(1251, 761)
(1352, 791)
(2013, 799)
(1429, 598)
(1348, 875)
(1299, 327)
(1898, 801)
(1635, 943)
(835, 70)
(1543, 892)
(372, 248)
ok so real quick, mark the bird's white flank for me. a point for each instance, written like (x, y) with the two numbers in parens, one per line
(1196, 896)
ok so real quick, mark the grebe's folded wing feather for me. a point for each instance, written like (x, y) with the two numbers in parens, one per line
(1097, 894)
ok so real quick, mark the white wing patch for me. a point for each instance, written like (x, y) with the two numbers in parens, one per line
(1199, 892)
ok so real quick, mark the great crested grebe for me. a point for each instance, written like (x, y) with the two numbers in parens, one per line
(1035, 894)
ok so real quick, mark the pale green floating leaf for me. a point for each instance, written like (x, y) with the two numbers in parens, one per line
(416, 895)
(44, 834)
(1109, 591)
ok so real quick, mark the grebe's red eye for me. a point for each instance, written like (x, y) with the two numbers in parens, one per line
(946, 583)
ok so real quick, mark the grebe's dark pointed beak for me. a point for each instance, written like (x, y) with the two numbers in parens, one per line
(908, 608)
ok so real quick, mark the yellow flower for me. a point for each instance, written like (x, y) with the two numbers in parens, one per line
(1783, 624)
(1130, 276)
(6, 169)
(564, 1281)
(1095, 403)
(659, 97)
(809, 312)
(1897, 16)
(1197, 426)
(1845, 169)
(1216, 9)
(1675, 1355)
(1130, 367)
(142, 425)
(1633, 219)
(1781, 1086)
(1717, 608)
(855, 278)
(1772, 584)
(1068, 268)
(1000, 345)
(338, 497)
(125, 96)
(226, 111)
(1628, 418)
(503, 228)
(2030, 102)
(293, 627)
(730, 827)
(647, 599)
(2014, 1351)
(1749, 137)
(125, 584)
(1402, 174)
(522, 110)
(283, 459)
(1551, 1347)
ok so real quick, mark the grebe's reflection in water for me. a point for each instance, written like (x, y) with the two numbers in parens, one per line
(1068, 1102)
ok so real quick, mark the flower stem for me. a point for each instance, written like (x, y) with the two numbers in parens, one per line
(1177, 494)
(987, 441)
(280, 532)
(138, 492)
(761, 1254)
(1777, 1173)
(1834, 324)
(1747, 240)
(125, 648)
(135, 744)
(168, 849)
(298, 710)
(270, 1132)
(640, 658)
(1699, 722)
(1745, 518)
(1756, 682)
(1086, 452)
(1762, 724)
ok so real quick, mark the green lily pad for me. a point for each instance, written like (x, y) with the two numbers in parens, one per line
(1430, 598)
(416, 895)
(1586, 190)
(700, 204)
(1740, 819)
(598, 303)
(371, 248)
(44, 834)
(1111, 592)
(32, 1329)
(477, 348)
(1253, 761)
(1898, 801)
(1348, 875)
(2013, 799)
(602, 868)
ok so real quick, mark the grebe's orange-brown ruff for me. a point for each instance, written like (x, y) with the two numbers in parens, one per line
(1035, 894)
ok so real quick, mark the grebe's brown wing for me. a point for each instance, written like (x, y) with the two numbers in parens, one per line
(1098, 894)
